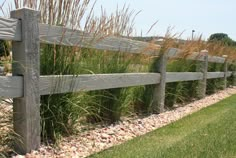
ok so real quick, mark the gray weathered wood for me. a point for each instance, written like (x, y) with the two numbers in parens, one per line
(233, 63)
(26, 110)
(159, 90)
(183, 76)
(1, 71)
(234, 78)
(216, 59)
(69, 37)
(211, 75)
(196, 56)
(225, 73)
(70, 83)
(229, 73)
(202, 67)
(11, 86)
(10, 29)
(177, 53)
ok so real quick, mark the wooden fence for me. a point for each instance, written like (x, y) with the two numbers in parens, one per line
(26, 85)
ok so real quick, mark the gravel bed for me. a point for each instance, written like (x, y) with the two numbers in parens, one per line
(100, 138)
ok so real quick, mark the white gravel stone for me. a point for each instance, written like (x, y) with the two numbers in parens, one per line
(100, 138)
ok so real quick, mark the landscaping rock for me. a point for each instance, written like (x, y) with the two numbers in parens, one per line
(103, 137)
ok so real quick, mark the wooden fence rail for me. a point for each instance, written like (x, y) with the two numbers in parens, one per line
(26, 85)
(10, 29)
(12, 86)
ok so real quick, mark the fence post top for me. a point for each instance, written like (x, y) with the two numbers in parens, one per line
(204, 51)
(225, 56)
(25, 8)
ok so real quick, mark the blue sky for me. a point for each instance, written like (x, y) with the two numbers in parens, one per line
(203, 16)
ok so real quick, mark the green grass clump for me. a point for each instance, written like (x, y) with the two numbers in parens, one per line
(180, 92)
(110, 101)
(231, 79)
(4, 51)
(211, 132)
(213, 85)
(61, 112)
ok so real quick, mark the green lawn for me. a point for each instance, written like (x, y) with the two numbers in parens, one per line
(211, 132)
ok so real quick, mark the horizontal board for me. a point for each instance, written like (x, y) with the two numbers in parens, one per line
(234, 73)
(11, 86)
(183, 76)
(10, 29)
(177, 53)
(69, 37)
(216, 59)
(229, 73)
(211, 75)
(70, 83)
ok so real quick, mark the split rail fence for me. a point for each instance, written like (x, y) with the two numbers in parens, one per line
(26, 85)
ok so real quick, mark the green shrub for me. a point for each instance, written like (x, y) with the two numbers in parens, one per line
(61, 112)
(4, 51)
(179, 92)
(58, 111)
(213, 85)
(230, 80)
(110, 100)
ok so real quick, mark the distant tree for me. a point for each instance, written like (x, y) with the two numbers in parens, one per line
(218, 36)
(222, 37)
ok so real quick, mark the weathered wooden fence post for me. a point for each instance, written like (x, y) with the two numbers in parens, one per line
(234, 78)
(225, 71)
(202, 67)
(26, 110)
(234, 73)
(159, 91)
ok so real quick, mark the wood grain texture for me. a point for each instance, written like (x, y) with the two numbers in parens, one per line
(11, 86)
(234, 73)
(1, 71)
(202, 66)
(26, 110)
(225, 73)
(10, 29)
(69, 37)
(234, 77)
(216, 59)
(183, 76)
(211, 75)
(229, 73)
(177, 53)
(70, 83)
(159, 90)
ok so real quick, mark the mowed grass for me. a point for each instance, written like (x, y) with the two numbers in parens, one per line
(211, 132)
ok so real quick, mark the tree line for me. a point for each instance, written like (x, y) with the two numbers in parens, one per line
(222, 37)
